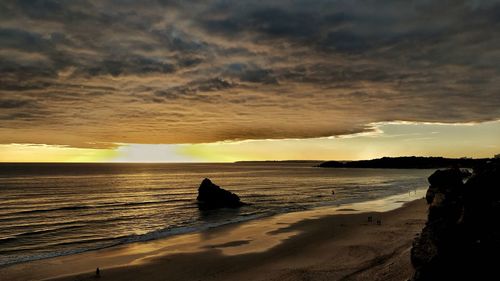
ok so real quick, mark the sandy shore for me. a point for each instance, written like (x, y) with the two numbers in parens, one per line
(321, 244)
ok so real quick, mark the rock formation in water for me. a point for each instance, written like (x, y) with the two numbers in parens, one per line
(461, 239)
(212, 196)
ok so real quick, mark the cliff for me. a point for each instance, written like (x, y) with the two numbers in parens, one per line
(461, 239)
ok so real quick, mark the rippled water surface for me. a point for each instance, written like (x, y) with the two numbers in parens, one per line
(54, 209)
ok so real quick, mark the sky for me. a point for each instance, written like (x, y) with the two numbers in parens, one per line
(189, 81)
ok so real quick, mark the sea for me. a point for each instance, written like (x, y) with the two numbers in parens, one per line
(49, 210)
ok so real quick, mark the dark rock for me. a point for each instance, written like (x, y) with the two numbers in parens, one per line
(461, 238)
(211, 196)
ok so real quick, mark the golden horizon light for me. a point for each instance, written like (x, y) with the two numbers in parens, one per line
(475, 140)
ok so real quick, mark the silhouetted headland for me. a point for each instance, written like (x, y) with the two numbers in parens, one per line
(461, 239)
(212, 196)
(409, 162)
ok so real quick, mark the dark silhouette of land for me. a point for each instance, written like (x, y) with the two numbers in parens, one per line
(461, 238)
(409, 162)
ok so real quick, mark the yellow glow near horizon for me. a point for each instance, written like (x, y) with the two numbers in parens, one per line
(387, 139)
(53, 153)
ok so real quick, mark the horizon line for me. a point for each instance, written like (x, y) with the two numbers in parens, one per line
(239, 161)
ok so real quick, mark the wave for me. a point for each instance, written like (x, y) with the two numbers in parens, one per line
(43, 231)
(7, 239)
(66, 208)
(82, 207)
(114, 241)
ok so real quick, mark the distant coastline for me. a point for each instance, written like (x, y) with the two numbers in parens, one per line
(278, 161)
(409, 162)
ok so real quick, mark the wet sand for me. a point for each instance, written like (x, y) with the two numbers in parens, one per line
(322, 244)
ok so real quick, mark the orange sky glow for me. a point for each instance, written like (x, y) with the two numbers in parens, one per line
(389, 139)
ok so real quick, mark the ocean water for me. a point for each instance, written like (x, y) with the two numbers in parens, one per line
(48, 210)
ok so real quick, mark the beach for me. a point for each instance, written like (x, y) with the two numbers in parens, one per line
(321, 244)
(51, 210)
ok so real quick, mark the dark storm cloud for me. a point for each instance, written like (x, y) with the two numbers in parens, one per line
(245, 69)
(23, 40)
(249, 73)
(191, 89)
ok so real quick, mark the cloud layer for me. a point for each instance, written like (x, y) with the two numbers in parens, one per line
(98, 73)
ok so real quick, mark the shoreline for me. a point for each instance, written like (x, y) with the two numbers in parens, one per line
(250, 241)
(165, 234)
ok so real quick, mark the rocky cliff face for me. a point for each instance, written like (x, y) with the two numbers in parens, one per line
(461, 239)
